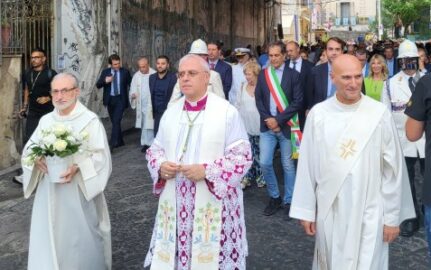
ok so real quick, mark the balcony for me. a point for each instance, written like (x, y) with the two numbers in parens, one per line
(345, 21)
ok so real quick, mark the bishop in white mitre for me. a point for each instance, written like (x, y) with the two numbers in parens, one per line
(140, 100)
(351, 189)
(70, 227)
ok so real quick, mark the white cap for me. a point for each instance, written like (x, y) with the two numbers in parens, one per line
(242, 51)
(198, 47)
(407, 49)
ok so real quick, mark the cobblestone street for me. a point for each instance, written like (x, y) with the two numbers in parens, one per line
(274, 243)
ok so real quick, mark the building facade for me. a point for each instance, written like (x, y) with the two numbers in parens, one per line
(79, 36)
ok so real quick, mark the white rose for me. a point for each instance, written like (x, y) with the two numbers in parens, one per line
(59, 130)
(60, 145)
(49, 139)
(84, 135)
(71, 139)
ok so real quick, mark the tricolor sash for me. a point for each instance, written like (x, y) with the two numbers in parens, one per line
(282, 103)
(208, 209)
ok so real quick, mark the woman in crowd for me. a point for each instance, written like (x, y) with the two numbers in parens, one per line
(375, 82)
(322, 58)
(246, 106)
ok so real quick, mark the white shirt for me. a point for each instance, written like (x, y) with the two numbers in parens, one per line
(298, 64)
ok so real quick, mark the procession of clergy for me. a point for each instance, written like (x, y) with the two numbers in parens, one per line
(203, 135)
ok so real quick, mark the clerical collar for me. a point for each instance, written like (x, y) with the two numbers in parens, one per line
(197, 105)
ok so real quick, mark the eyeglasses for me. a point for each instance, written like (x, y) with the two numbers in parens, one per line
(63, 91)
(36, 57)
(190, 73)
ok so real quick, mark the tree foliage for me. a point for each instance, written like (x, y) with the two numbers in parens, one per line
(406, 10)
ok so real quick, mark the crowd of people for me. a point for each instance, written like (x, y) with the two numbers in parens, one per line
(347, 119)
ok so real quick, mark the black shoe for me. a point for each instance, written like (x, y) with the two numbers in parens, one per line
(287, 212)
(409, 227)
(111, 149)
(273, 206)
(144, 148)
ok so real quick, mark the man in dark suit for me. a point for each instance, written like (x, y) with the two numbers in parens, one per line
(115, 81)
(224, 69)
(273, 124)
(304, 67)
(161, 86)
(319, 86)
(391, 60)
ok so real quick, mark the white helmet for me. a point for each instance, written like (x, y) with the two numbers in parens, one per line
(198, 47)
(407, 49)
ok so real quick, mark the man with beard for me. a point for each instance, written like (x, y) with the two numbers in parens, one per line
(115, 81)
(37, 98)
(70, 227)
(161, 86)
(140, 100)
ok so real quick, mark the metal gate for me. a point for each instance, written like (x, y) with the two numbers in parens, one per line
(25, 24)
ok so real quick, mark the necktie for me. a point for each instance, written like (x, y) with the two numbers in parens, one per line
(115, 81)
(212, 66)
(411, 84)
(294, 65)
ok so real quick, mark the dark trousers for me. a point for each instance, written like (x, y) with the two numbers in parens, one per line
(116, 110)
(157, 116)
(31, 124)
(410, 162)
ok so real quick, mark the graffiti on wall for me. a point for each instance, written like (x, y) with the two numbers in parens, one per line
(165, 34)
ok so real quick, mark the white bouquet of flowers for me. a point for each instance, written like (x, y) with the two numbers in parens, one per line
(57, 144)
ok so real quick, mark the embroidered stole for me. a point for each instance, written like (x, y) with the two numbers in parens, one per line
(340, 162)
(207, 212)
(282, 103)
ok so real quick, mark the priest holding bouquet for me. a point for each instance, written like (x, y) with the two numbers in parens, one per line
(70, 227)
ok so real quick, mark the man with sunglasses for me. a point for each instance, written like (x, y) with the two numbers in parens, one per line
(37, 99)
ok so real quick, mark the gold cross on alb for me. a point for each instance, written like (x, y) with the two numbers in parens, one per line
(348, 149)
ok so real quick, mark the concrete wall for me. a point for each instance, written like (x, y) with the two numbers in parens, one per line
(155, 27)
(10, 126)
(87, 33)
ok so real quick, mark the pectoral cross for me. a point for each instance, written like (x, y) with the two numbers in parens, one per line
(348, 149)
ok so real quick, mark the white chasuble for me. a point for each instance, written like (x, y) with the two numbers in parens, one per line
(370, 192)
(217, 139)
(70, 227)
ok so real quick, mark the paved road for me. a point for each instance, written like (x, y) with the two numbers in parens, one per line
(273, 242)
